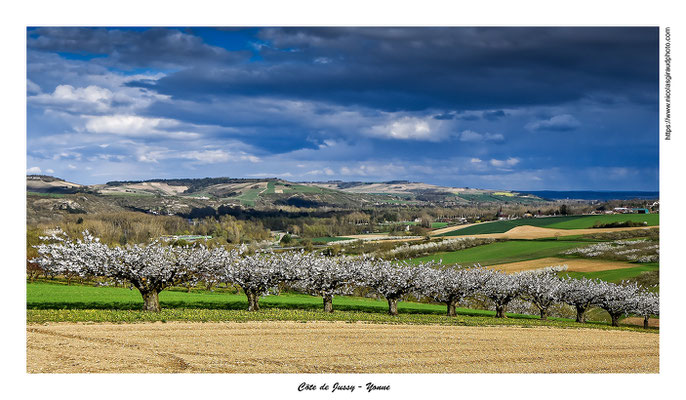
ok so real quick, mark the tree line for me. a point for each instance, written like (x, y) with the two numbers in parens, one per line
(157, 266)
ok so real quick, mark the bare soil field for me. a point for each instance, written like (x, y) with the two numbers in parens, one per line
(573, 265)
(334, 347)
(158, 186)
(519, 232)
(535, 232)
(440, 231)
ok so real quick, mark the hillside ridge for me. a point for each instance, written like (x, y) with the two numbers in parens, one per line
(198, 197)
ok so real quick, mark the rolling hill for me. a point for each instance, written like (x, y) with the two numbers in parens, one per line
(192, 197)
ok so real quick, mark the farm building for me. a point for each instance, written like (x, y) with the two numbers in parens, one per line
(640, 210)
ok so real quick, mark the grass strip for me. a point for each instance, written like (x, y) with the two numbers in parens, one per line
(50, 302)
(276, 314)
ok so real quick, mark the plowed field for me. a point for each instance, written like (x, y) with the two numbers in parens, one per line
(573, 264)
(333, 347)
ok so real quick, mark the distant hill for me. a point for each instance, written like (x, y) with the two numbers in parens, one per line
(595, 195)
(197, 197)
(50, 184)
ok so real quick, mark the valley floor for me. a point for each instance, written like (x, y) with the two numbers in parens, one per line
(333, 347)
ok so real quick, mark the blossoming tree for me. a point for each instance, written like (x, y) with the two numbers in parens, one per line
(617, 299)
(393, 280)
(501, 288)
(647, 304)
(149, 268)
(329, 276)
(580, 293)
(449, 285)
(541, 287)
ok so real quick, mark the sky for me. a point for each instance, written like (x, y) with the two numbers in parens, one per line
(518, 108)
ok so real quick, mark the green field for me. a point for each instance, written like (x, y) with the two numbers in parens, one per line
(48, 302)
(617, 275)
(249, 196)
(270, 187)
(303, 189)
(503, 252)
(51, 296)
(567, 222)
(437, 225)
(55, 195)
(59, 296)
(589, 221)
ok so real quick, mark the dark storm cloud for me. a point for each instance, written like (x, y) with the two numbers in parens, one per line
(494, 115)
(558, 123)
(481, 107)
(126, 48)
(420, 68)
(444, 116)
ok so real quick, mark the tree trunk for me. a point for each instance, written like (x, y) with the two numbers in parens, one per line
(328, 303)
(151, 301)
(500, 310)
(580, 314)
(253, 300)
(544, 313)
(393, 306)
(645, 321)
(615, 318)
(451, 308)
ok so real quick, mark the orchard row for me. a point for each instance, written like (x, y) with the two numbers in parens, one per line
(154, 267)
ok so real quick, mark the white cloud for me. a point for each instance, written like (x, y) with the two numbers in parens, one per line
(271, 175)
(208, 156)
(380, 170)
(91, 94)
(471, 136)
(218, 156)
(50, 171)
(322, 60)
(324, 171)
(33, 170)
(410, 128)
(510, 162)
(126, 124)
(133, 125)
(32, 87)
(78, 100)
(347, 171)
(109, 97)
(558, 123)
(494, 137)
(475, 160)
(67, 155)
(150, 156)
